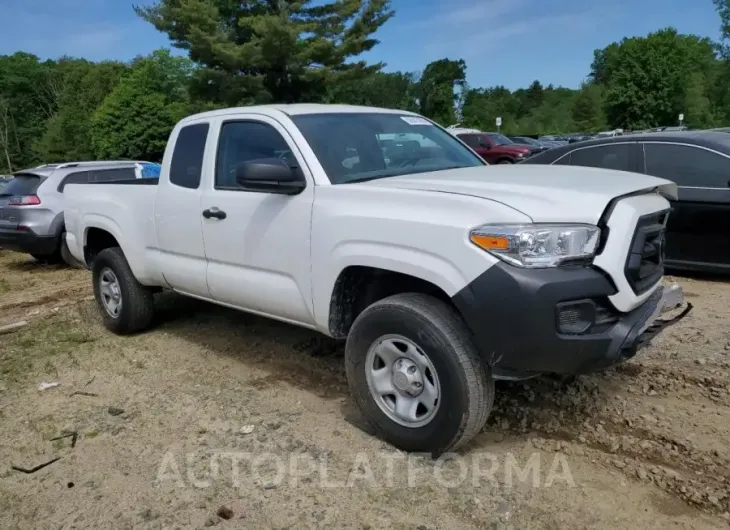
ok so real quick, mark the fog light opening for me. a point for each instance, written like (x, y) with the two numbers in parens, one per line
(575, 318)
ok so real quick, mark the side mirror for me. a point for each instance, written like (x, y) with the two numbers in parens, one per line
(271, 175)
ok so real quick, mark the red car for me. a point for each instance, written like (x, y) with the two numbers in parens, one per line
(495, 148)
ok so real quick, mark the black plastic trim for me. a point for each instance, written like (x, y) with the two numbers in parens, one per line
(28, 241)
(649, 225)
(512, 314)
(146, 181)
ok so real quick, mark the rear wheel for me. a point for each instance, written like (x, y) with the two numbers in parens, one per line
(126, 305)
(416, 375)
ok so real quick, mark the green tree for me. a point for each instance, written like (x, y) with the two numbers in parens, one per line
(395, 90)
(587, 109)
(26, 102)
(265, 51)
(534, 96)
(436, 89)
(723, 9)
(79, 86)
(482, 107)
(697, 106)
(646, 78)
(135, 119)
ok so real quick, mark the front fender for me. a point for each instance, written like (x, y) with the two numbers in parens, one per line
(415, 262)
(435, 269)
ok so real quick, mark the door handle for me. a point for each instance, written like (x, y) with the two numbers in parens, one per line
(214, 213)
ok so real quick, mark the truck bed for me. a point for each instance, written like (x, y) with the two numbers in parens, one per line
(125, 209)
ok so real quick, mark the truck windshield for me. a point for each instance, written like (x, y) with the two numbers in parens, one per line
(355, 147)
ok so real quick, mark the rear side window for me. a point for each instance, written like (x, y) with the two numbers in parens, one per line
(80, 177)
(687, 166)
(187, 157)
(612, 156)
(22, 184)
(120, 173)
(97, 175)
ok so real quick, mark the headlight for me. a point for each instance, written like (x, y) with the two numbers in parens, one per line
(537, 245)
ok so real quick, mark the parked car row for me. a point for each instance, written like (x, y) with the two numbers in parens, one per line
(697, 161)
(495, 148)
(32, 203)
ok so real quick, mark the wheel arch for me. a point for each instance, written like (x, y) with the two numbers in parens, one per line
(359, 286)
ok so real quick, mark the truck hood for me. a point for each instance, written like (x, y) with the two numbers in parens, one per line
(543, 193)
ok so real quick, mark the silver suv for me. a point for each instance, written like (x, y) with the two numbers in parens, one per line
(31, 204)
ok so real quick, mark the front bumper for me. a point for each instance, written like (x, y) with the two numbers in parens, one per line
(28, 241)
(513, 314)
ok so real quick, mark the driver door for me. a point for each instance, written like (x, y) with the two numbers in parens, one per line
(257, 243)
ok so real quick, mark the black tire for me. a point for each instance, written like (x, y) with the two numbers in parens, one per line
(137, 300)
(505, 161)
(467, 387)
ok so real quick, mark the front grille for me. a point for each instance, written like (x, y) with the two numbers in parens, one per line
(645, 262)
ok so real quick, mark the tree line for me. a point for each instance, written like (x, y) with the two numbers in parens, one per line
(257, 51)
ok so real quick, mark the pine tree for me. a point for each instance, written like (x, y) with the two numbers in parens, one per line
(259, 51)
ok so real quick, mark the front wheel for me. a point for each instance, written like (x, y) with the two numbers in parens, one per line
(416, 375)
(126, 305)
(505, 162)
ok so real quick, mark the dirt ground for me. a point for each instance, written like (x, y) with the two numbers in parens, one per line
(214, 408)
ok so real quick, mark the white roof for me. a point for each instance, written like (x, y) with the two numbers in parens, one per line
(295, 109)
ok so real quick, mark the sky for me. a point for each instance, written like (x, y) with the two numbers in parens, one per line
(504, 42)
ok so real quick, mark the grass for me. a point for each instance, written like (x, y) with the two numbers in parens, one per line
(40, 345)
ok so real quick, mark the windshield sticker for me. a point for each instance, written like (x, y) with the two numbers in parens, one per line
(415, 120)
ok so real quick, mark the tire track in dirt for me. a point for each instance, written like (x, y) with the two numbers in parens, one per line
(714, 386)
(582, 417)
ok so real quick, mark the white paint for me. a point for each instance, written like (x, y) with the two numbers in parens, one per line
(621, 225)
(257, 258)
(280, 256)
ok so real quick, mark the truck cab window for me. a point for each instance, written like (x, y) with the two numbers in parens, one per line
(244, 141)
(187, 158)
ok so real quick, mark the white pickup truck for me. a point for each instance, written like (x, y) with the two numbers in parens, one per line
(380, 227)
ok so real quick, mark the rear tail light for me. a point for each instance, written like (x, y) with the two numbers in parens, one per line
(24, 200)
